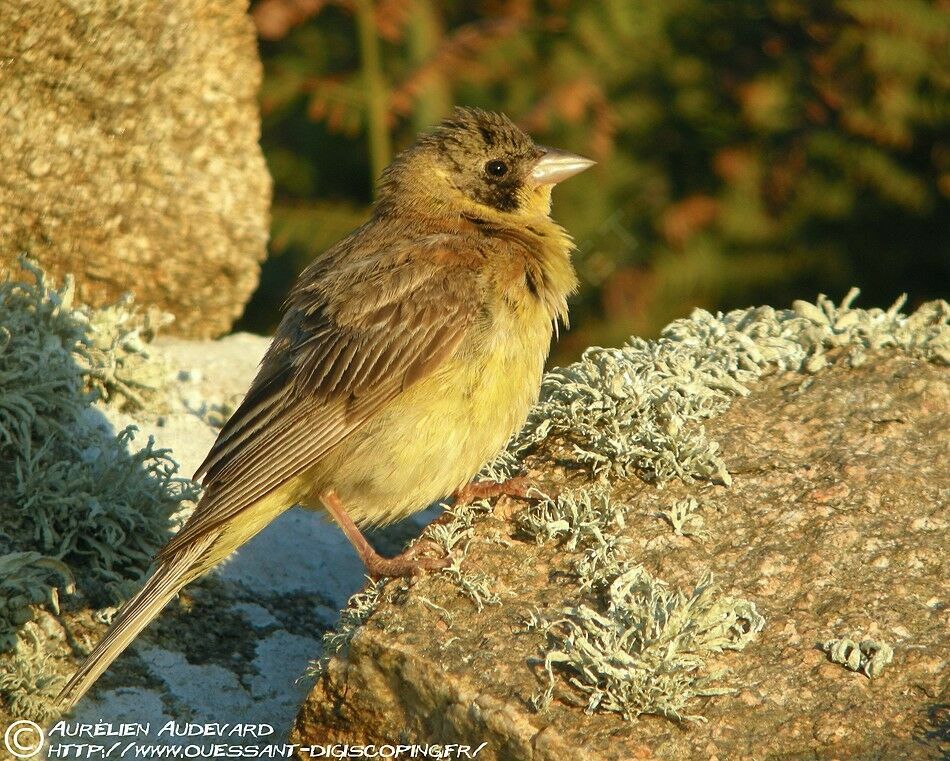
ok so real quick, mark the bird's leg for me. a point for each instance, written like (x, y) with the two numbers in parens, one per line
(517, 487)
(376, 565)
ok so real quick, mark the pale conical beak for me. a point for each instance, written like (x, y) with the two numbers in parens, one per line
(557, 165)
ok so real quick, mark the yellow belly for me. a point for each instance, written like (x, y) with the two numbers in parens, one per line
(437, 434)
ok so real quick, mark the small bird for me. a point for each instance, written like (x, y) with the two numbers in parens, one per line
(407, 356)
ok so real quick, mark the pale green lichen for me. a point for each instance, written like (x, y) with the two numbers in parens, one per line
(357, 611)
(116, 360)
(600, 564)
(456, 526)
(27, 680)
(27, 579)
(645, 649)
(95, 504)
(683, 516)
(103, 351)
(475, 586)
(573, 517)
(581, 520)
(452, 534)
(41, 385)
(75, 498)
(69, 487)
(868, 657)
(636, 409)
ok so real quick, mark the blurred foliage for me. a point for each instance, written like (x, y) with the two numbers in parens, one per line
(748, 151)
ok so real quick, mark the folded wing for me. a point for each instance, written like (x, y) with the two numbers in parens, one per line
(351, 340)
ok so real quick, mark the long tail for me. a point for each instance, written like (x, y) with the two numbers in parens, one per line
(168, 578)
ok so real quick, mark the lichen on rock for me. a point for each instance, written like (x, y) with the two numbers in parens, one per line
(866, 656)
(631, 644)
(358, 608)
(643, 648)
(76, 499)
(637, 410)
(799, 406)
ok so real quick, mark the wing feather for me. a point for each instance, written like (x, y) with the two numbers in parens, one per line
(347, 346)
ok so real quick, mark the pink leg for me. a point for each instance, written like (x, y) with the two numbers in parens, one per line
(376, 565)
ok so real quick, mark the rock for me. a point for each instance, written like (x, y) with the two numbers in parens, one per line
(831, 473)
(129, 145)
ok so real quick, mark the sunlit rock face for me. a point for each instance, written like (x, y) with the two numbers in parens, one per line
(129, 146)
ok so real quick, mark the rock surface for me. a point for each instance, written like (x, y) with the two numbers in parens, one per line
(129, 146)
(835, 526)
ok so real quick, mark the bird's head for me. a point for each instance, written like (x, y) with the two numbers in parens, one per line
(478, 162)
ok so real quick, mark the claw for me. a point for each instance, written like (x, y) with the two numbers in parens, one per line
(377, 566)
(518, 488)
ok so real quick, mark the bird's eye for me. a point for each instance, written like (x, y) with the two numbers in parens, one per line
(496, 168)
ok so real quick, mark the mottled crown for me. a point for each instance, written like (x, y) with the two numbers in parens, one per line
(469, 128)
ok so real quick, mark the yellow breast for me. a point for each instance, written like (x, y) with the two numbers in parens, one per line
(436, 435)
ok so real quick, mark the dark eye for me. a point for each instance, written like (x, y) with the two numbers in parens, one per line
(496, 168)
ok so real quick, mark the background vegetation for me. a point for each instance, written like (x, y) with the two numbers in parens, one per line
(748, 151)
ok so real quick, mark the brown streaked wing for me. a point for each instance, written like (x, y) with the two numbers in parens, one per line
(341, 358)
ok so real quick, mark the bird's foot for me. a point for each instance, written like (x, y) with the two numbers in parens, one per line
(518, 487)
(406, 564)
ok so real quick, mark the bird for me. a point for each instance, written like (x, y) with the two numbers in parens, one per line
(406, 357)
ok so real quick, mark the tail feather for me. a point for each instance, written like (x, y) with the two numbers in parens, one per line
(168, 578)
